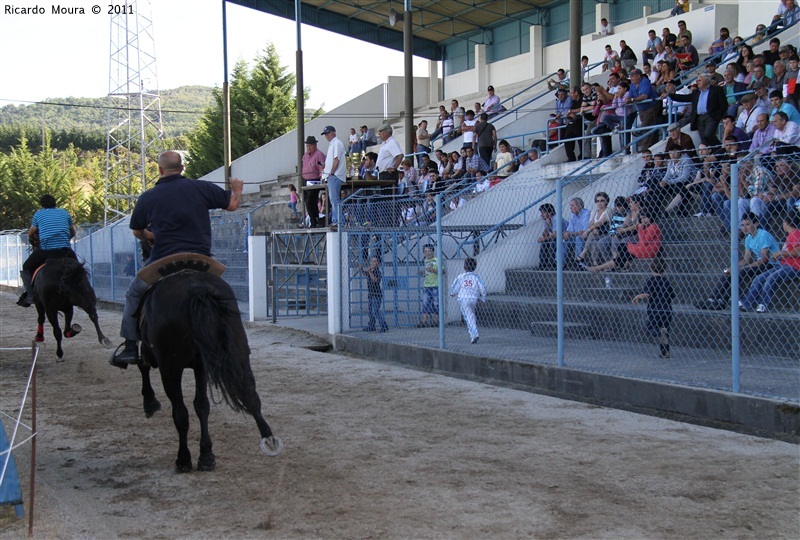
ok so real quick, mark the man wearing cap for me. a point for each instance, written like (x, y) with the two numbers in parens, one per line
(748, 118)
(335, 170)
(647, 104)
(492, 104)
(680, 111)
(681, 141)
(389, 155)
(709, 105)
(313, 164)
(711, 69)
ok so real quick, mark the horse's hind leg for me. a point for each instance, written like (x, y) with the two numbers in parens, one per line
(270, 444)
(207, 460)
(52, 318)
(151, 404)
(40, 323)
(180, 415)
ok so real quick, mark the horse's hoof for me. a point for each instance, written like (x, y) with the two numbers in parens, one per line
(151, 408)
(206, 464)
(105, 342)
(182, 469)
(73, 331)
(271, 446)
(39, 338)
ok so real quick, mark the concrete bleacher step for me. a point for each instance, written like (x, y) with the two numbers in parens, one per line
(572, 330)
(768, 334)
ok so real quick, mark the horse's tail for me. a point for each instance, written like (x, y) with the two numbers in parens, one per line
(75, 280)
(221, 343)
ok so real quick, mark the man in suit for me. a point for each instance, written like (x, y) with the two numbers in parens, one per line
(709, 105)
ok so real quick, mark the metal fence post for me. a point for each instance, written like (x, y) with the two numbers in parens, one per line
(560, 270)
(734, 245)
(441, 270)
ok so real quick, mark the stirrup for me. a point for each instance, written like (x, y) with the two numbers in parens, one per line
(116, 359)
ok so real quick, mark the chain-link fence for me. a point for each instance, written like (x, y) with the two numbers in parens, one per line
(13, 251)
(647, 285)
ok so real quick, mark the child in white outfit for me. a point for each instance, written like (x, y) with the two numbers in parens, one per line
(469, 288)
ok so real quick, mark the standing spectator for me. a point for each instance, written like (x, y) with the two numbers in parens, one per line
(335, 170)
(681, 7)
(659, 294)
(759, 247)
(649, 51)
(605, 28)
(430, 288)
(547, 250)
(709, 105)
(293, 200)
(573, 122)
(423, 141)
(578, 224)
(313, 165)
(617, 115)
(647, 104)
(457, 114)
(468, 129)
(469, 288)
(733, 90)
(389, 155)
(609, 59)
(763, 287)
(374, 296)
(492, 104)
(486, 138)
(504, 161)
(626, 55)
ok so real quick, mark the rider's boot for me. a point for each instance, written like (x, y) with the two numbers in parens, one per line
(128, 355)
(27, 295)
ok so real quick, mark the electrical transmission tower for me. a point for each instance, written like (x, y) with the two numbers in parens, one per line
(134, 126)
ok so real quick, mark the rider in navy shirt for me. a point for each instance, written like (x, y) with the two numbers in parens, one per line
(173, 216)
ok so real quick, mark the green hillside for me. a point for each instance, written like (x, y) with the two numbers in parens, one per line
(180, 109)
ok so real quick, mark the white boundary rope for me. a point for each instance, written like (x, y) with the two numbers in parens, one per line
(18, 419)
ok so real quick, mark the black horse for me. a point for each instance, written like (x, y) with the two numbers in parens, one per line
(60, 285)
(190, 320)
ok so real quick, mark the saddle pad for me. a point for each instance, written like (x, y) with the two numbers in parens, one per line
(177, 262)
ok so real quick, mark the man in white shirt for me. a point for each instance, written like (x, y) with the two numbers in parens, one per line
(605, 27)
(334, 170)
(787, 134)
(748, 118)
(457, 114)
(389, 155)
(468, 129)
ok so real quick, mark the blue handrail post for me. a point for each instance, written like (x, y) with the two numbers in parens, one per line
(560, 270)
(734, 223)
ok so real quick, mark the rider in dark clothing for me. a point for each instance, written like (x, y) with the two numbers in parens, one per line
(173, 215)
(51, 228)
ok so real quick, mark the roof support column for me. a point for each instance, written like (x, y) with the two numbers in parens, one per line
(408, 57)
(481, 68)
(300, 98)
(575, 14)
(537, 51)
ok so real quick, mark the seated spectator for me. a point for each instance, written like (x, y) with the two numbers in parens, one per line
(353, 141)
(763, 286)
(573, 236)
(434, 183)
(784, 194)
(457, 202)
(771, 54)
(369, 168)
(649, 51)
(442, 115)
(608, 60)
(701, 188)
(547, 250)
(778, 104)
(687, 54)
(754, 182)
(366, 139)
(748, 118)
(716, 78)
(475, 163)
(787, 135)
(680, 171)
(599, 222)
(681, 7)
(683, 31)
(722, 43)
(667, 37)
(477, 109)
(492, 105)
(646, 247)
(605, 28)
(459, 164)
(504, 157)
(787, 15)
(649, 73)
(759, 246)
(680, 140)
(482, 182)
(746, 54)
(729, 129)
(533, 155)
(646, 178)
(620, 216)
(563, 106)
(759, 77)
(733, 89)
(410, 180)
(626, 55)
(780, 79)
(424, 179)
(560, 83)
(793, 68)
(660, 56)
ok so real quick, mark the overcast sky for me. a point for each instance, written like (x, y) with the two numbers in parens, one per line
(49, 56)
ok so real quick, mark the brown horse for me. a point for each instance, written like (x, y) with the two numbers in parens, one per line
(191, 321)
(60, 285)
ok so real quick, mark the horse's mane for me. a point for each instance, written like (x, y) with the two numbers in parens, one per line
(73, 274)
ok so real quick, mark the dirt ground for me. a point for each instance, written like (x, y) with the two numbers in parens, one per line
(373, 450)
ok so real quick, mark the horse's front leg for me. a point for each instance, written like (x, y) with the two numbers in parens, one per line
(180, 415)
(52, 318)
(104, 341)
(207, 460)
(151, 404)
